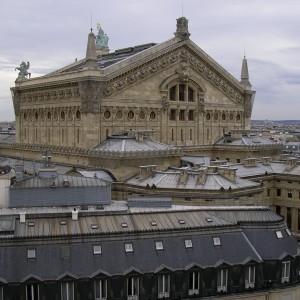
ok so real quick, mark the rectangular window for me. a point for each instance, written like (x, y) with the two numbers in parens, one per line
(132, 288)
(250, 277)
(298, 219)
(163, 286)
(191, 134)
(97, 249)
(191, 115)
(128, 247)
(278, 210)
(290, 194)
(188, 244)
(159, 245)
(190, 95)
(100, 289)
(181, 92)
(172, 93)
(278, 193)
(289, 217)
(32, 292)
(181, 135)
(1, 293)
(62, 135)
(299, 195)
(31, 253)
(49, 136)
(279, 234)
(285, 271)
(194, 283)
(207, 134)
(181, 115)
(172, 134)
(222, 279)
(217, 241)
(238, 160)
(78, 135)
(67, 291)
(268, 192)
(173, 115)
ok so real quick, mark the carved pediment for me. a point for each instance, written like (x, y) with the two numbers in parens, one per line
(187, 59)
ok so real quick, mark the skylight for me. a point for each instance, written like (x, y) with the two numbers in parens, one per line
(279, 234)
(217, 241)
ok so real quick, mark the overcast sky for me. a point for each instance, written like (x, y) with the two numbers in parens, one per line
(52, 33)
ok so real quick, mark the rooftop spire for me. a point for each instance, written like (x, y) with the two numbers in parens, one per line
(91, 56)
(245, 74)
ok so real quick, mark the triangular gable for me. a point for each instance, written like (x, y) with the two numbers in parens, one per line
(250, 260)
(67, 276)
(99, 273)
(163, 268)
(31, 278)
(285, 256)
(132, 271)
(2, 280)
(192, 266)
(222, 263)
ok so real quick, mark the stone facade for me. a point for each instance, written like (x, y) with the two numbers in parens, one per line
(173, 88)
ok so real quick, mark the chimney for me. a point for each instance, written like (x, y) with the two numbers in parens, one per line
(146, 171)
(291, 162)
(183, 177)
(201, 176)
(250, 162)
(229, 173)
(22, 217)
(266, 161)
(75, 214)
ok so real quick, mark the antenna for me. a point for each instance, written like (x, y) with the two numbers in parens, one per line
(91, 21)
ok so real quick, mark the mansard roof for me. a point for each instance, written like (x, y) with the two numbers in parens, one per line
(245, 234)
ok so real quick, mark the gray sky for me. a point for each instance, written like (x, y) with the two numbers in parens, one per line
(52, 33)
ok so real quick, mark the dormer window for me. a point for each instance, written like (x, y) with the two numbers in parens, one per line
(217, 241)
(279, 234)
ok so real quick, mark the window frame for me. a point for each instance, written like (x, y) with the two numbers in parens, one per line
(250, 276)
(32, 288)
(133, 287)
(163, 285)
(193, 283)
(285, 271)
(222, 280)
(68, 286)
(128, 247)
(100, 289)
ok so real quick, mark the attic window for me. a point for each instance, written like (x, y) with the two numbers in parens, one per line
(181, 222)
(209, 219)
(159, 245)
(63, 223)
(128, 247)
(279, 234)
(94, 226)
(288, 231)
(30, 224)
(153, 223)
(188, 244)
(217, 241)
(31, 253)
(124, 225)
(97, 249)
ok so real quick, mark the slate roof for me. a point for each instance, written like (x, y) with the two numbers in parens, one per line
(130, 144)
(171, 178)
(247, 141)
(59, 181)
(110, 59)
(239, 243)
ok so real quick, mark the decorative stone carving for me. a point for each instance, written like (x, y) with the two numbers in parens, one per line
(90, 94)
(201, 104)
(16, 101)
(184, 72)
(182, 30)
(23, 70)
